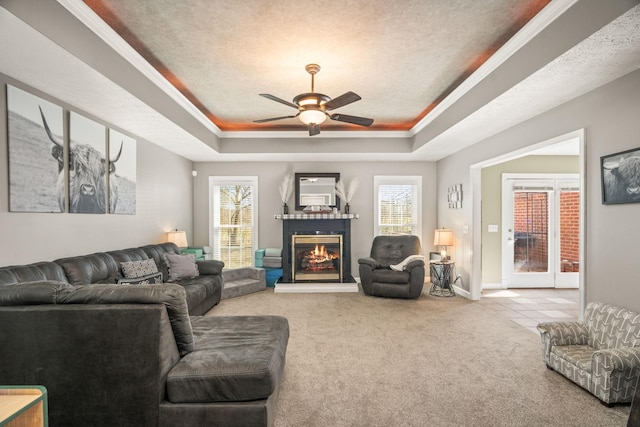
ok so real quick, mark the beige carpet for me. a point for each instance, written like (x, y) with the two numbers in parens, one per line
(355, 360)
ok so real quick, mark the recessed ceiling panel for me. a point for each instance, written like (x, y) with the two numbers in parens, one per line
(401, 57)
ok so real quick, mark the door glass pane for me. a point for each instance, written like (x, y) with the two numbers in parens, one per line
(530, 226)
(569, 231)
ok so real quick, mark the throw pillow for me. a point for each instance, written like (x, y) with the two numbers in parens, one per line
(151, 279)
(181, 266)
(407, 260)
(135, 269)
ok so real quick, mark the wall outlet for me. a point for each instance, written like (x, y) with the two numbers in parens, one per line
(465, 229)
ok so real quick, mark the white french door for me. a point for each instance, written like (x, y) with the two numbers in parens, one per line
(540, 238)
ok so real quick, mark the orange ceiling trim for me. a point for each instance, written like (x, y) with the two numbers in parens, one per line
(119, 27)
(531, 10)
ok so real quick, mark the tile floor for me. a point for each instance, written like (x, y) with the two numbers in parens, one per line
(528, 307)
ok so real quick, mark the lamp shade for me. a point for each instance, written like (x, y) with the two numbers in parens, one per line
(178, 237)
(443, 237)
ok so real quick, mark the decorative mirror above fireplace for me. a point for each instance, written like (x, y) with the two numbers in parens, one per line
(316, 189)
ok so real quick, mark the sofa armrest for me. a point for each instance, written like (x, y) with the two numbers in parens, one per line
(561, 333)
(616, 359)
(370, 262)
(414, 264)
(210, 266)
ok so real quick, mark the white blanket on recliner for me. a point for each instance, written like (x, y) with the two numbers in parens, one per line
(407, 260)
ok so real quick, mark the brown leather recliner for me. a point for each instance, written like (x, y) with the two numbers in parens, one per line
(377, 277)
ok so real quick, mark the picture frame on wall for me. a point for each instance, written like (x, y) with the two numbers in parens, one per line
(36, 153)
(620, 177)
(88, 166)
(122, 173)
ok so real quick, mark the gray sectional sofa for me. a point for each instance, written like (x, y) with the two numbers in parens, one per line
(137, 354)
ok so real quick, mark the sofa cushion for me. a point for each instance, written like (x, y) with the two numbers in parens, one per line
(157, 252)
(611, 327)
(384, 275)
(87, 269)
(38, 271)
(578, 355)
(236, 358)
(31, 293)
(181, 266)
(171, 295)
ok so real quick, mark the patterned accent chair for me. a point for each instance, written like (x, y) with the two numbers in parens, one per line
(601, 354)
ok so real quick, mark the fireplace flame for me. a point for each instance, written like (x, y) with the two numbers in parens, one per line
(320, 255)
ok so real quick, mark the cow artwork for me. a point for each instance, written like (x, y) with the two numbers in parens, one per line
(87, 170)
(621, 177)
(33, 173)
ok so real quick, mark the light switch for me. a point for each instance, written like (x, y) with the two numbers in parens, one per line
(493, 228)
(465, 229)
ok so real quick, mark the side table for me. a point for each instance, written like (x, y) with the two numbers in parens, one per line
(23, 406)
(441, 272)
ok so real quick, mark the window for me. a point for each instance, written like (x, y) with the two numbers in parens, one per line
(234, 225)
(398, 205)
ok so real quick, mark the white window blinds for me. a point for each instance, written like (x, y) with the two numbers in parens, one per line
(398, 205)
(234, 222)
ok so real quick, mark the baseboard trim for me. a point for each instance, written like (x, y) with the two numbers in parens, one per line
(461, 292)
(492, 286)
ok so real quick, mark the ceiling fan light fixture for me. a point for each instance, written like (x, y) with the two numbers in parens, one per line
(312, 116)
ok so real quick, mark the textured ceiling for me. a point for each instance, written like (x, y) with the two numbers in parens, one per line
(401, 57)
(64, 50)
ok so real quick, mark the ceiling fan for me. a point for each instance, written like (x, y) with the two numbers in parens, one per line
(312, 107)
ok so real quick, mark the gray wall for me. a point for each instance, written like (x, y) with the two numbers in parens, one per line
(492, 203)
(609, 116)
(271, 174)
(164, 202)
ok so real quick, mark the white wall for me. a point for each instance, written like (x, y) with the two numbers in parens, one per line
(609, 116)
(164, 202)
(271, 174)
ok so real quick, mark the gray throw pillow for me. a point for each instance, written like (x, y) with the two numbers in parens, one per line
(136, 269)
(181, 266)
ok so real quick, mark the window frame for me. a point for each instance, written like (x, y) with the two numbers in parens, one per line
(233, 180)
(379, 180)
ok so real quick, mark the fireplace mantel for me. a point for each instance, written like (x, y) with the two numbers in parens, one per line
(306, 216)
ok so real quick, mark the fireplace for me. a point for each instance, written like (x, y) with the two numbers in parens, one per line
(334, 227)
(316, 257)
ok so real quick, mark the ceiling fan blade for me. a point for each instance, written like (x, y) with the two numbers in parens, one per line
(314, 129)
(342, 100)
(274, 118)
(281, 101)
(362, 121)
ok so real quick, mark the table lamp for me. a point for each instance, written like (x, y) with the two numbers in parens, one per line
(178, 237)
(443, 238)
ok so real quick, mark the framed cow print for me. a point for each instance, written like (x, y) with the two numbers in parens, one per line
(88, 166)
(122, 173)
(36, 153)
(620, 173)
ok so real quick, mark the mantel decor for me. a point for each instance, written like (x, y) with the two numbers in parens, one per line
(316, 189)
(346, 192)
